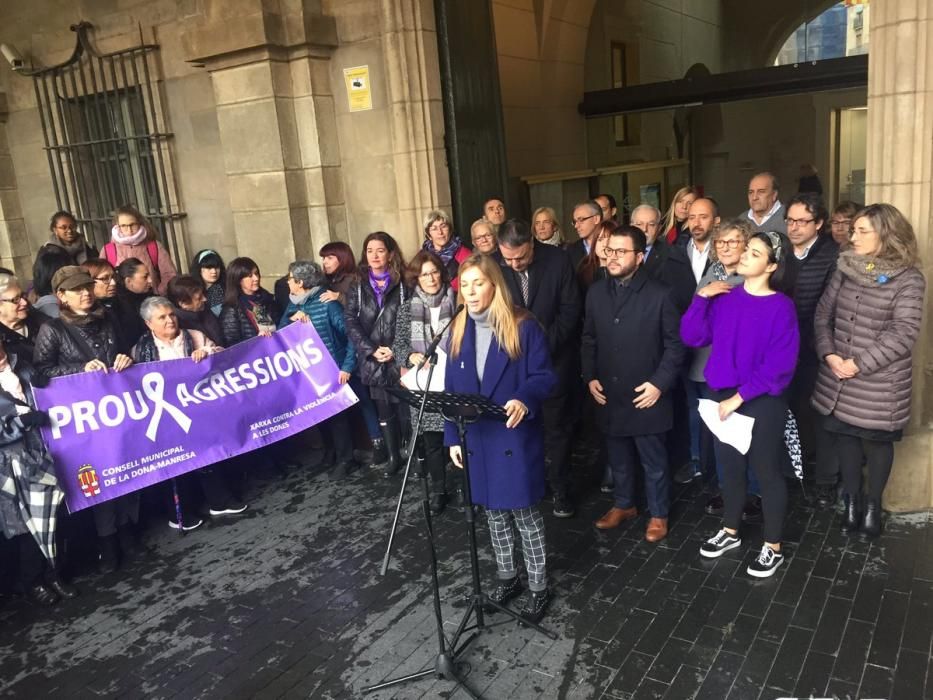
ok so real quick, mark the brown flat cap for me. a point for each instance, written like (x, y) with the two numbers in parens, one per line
(70, 277)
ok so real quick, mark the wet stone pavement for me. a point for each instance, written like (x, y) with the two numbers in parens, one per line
(288, 602)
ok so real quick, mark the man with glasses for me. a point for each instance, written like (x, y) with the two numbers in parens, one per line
(812, 266)
(632, 356)
(586, 219)
(541, 279)
(840, 222)
(663, 262)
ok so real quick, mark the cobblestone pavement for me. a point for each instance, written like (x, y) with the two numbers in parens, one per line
(288, 602)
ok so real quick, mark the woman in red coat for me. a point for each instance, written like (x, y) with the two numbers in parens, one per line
(500, 351)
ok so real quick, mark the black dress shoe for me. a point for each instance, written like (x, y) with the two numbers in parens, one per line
(715, 505)
(503, 593)
(40, 594)
(64, 590)
(852, 516)
(825, 495)
(871, 525)
(438, 503)
(752, 512)
(535, 605)
(563, 508)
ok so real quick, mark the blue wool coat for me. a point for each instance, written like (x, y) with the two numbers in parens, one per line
(506, 465)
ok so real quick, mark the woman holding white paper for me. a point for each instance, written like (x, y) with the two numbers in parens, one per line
(754, 336)
(420, 319)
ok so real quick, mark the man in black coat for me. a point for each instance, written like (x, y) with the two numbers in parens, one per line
(541, 279)
(811, 268)
(632, 356)
(663, 262)
(587, 216)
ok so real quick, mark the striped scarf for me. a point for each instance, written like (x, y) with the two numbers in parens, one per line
(446, 253)
(421, 305)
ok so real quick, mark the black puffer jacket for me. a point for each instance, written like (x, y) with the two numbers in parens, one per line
(236, 324)
(58, 353)
(23, 345)
(370, 327)
(810, 277)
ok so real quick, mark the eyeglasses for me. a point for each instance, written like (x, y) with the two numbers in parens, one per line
(618, 252)
(483, 237)
(15, 300)
(66, 227)
(128, 227)
(732, 244)
(581, 219)
(426, 275)
(798, 222)
(840, 223)
(437, 228)
(105, 279)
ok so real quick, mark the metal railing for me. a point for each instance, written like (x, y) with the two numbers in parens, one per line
(105, 138)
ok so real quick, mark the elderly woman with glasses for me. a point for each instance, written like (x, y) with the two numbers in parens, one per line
(306, 284)
(439, 239)
(483, 235)
(19, 324)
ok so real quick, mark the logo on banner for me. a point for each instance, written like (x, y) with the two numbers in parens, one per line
(87, 478)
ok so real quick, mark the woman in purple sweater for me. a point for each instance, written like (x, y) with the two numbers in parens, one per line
(754, 336)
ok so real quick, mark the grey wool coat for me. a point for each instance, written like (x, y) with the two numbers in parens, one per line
(875, 323)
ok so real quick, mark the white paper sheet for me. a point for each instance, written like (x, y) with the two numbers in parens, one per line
(736, 430)
(437, 379)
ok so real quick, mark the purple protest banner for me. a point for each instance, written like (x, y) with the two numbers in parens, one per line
(115, 433)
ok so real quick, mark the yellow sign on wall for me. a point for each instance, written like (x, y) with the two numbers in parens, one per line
(359, 92)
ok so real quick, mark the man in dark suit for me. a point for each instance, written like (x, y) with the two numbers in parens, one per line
(586, 219)
(541, 279)
(663, 262)
(632, 356)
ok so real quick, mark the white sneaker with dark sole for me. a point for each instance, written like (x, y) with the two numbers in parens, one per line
(719, 544)
(232, 510)
(766, 563)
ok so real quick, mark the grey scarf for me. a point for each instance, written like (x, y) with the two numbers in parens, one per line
(421, 305)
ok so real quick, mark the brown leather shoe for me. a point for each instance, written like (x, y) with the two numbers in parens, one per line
(615, 517)
(657, 529)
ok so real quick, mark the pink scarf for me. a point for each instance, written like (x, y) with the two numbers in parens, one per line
(133, 239)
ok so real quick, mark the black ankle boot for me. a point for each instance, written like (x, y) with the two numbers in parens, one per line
(852, 515)
(390, 434)
(871, 525)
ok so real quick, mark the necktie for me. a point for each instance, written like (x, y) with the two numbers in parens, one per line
(523, 280)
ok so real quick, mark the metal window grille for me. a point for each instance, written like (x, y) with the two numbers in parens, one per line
(105, 138)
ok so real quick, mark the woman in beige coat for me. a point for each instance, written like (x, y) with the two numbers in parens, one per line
(866, 324)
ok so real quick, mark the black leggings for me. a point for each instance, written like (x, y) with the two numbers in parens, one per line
(853, 452)
(764, 456)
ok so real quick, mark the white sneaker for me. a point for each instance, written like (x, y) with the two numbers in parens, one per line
(719, 544)
(766, 563)
(229, 510)
(192, 526)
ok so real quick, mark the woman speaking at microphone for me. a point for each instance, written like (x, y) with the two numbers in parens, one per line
(499, 351)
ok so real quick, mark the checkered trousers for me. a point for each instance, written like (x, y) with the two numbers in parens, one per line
(530, 527)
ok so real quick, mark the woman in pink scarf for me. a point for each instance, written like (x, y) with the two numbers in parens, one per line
(133, 237)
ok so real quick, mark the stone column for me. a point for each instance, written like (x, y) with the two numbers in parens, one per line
(414, 92)
(275, 111)
(900, 172)
(14, 245)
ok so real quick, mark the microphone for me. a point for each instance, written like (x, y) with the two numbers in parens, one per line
(432, 348)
